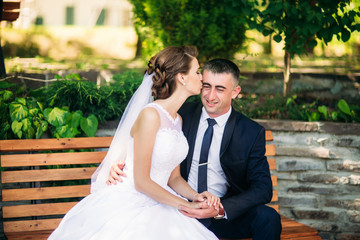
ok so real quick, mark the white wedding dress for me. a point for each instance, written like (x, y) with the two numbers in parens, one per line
(121, 212)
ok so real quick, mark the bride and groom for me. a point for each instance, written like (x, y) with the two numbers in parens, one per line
(156, 199)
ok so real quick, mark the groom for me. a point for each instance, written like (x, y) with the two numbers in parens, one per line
(234, 167)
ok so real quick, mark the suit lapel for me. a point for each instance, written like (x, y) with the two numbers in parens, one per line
(192, 137)
(228, 131)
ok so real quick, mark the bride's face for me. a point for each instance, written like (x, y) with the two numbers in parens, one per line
(193, 79)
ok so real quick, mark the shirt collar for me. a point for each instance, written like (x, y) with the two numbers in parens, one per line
(220, 120)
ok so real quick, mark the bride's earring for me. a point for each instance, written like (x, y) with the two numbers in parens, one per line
(184, 83)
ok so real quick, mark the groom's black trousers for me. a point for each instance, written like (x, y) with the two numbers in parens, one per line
(260, 223)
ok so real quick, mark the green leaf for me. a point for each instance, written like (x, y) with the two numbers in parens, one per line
(40, 106)
(44, 125)
(18, 111)
(67, 131)
(26, 124)
(38, 133)
(33, 111)
(277, 38)
(344, 107)
(56, 116)
(21, 101)
(323, 110)
(315, 116)
(345, 35)
(75, 119)
(89, 125)
(16, 128)
(29, 134)
(7, 95)
(334, 116)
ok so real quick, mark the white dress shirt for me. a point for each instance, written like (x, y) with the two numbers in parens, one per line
(216, 179)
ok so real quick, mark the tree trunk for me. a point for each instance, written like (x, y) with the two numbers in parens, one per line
(138, 44)
(287, 79)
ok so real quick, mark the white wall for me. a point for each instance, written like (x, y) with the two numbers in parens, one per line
(86, 12)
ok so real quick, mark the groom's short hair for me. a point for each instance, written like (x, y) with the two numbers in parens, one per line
(220, 65)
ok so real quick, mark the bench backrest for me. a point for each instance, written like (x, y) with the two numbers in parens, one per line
(11, 10)
(39, 187)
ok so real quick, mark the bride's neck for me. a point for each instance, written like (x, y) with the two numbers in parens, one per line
(173, 103)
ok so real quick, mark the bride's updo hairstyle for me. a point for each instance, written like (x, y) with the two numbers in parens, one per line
(166, 65)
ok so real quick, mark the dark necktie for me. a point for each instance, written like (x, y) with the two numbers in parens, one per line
(204, 152)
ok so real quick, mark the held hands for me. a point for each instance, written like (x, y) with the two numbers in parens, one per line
(210, 199)
(204, 205)
(115, 172)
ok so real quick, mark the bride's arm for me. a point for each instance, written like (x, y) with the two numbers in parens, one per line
(144, 132)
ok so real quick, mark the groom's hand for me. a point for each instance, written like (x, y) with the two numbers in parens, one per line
(115, 172)
(199, 213)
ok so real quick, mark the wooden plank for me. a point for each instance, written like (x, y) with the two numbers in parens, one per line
(31, 225)
(10, 16)
(47, 175)
(269, 135)
(272, 163)
(270, 150)
(274, 180)
(312, 237)
(46, 159)
(32, 210)
(54, 144)
(45, 193)
(275, 196)
(36, 235)
(11, 5)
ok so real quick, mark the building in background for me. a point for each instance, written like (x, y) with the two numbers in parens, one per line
(85, 13)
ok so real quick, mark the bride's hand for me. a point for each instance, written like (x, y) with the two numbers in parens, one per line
(210, 199)
(197, 205)
(115, 172)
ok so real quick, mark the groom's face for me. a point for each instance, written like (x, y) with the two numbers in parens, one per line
(217, 92)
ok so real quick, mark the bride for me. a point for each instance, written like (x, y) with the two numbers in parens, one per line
(149, 137)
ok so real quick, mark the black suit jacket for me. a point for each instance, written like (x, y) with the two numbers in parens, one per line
(242, 157)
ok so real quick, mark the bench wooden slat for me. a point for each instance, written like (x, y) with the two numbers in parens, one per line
(47, 175)
(31, 225)
(32, 210)
(11, 10)
(274, 180)
(294, 229)
(11, 5)
(268, 135)
(55, 144)
(37, 235)
(275, 196)
(272, 163)
(45, 193)
(270, 150)
(10, 16)
(46, 159)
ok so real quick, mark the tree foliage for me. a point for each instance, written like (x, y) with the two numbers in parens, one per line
(216, 28)
(300, 22)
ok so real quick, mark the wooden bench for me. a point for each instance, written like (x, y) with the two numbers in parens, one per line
(39, 187)
(10, 10)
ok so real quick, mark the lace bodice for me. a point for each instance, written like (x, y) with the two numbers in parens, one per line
(169, 150)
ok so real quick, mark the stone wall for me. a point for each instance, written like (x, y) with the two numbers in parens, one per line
(318, 169)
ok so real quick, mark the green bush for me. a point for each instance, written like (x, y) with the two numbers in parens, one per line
(294, 108)
(216, 28)
(105, 102)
